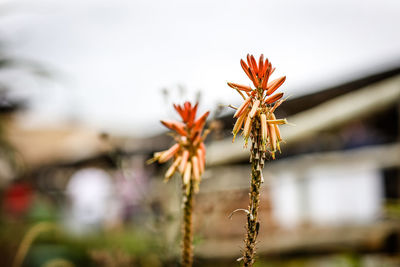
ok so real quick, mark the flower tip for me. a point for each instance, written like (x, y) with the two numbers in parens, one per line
(245, 142)
(151, 161)
(278, 146)
(234, 137)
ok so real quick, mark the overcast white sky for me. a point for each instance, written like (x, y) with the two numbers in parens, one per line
(112, 58)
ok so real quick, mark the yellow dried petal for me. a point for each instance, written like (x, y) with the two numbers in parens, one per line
(263, 129)
(272, 137)
(195, 167)
(238, 125)
(254, 108)
(172, 169)
(247, 129)
(279, 122)
(185, 157)
(187, 173)
(165, 156)
(200, 159)
(242, 107)
(278, 133)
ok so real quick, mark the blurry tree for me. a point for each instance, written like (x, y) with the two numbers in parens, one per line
(18, 69)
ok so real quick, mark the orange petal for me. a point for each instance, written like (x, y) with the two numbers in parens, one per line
(254, 79)
(200, 158)
(203, 148)
(186, 111)
(196, 138)
(245, 68)
(167, 124)
(179, 110)
(249, 61)
(192, 115)
(175, 126)
(185, 157)
(273, 98)
(252, 71)
(266, 77)
(272, 137)
(276, 105)
(242, 107)
(240, 87)
(261, 66)
(275, 84)
(254, 65)
(199, 124)
(203, 151)
(265, 66)
(169, 153)
(187, 105)
(254, 108)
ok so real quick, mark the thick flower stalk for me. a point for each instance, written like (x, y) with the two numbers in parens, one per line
(256, 119)
(188, 159)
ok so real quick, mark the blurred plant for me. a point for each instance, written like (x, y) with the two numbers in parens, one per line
(110, 258)
(189, 160)
(260, 124)
(28, 239)
(58, 263)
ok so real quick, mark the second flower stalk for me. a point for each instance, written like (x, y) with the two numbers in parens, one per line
(256, 118)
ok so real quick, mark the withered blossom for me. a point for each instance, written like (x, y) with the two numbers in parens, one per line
(188, 156)
(259, 104)
(188, 153)
(256, 119)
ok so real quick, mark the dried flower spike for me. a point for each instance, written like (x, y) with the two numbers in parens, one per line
(188, 154)
(260, 102)
(189, 138)
(256, 116)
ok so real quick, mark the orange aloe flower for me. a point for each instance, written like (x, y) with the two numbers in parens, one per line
(188, 153)
(259, 104)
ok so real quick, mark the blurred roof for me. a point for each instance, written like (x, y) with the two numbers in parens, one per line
(45, 146)
(325, 109)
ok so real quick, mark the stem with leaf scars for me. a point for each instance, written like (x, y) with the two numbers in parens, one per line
(257, 119)
(187, 248)
(253, 225)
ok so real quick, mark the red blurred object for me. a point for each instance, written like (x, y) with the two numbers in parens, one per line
(18, 198)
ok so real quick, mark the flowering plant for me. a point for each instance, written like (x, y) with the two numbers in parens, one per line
(188, 154)
(256, 118)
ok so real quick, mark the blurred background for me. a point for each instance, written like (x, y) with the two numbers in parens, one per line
(83, 85)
